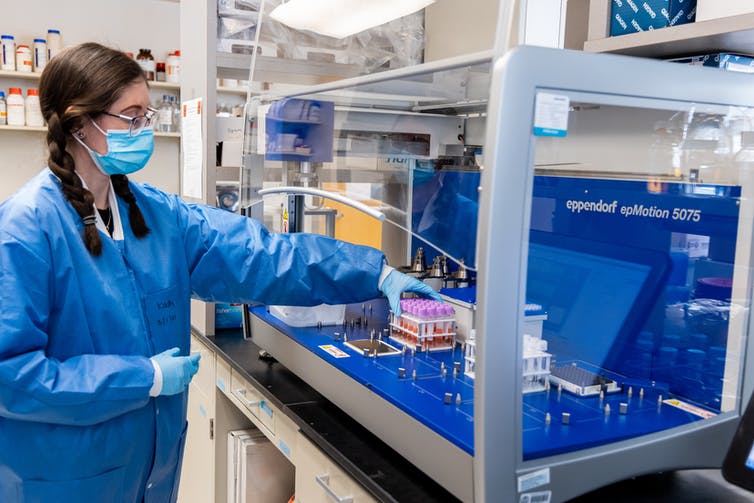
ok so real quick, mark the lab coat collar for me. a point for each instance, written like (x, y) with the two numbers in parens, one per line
(115, 211)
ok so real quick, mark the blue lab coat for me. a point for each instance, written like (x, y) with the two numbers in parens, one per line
(76, 332)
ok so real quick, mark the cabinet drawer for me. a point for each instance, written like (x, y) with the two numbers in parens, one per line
(286, 433)
(204, 378)
(268, 414)
(252, 404)
(320, 480)
(222, 376)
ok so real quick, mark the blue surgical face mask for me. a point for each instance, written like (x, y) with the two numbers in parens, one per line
(126, 154)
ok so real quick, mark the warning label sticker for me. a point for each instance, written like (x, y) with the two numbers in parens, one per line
(336, 352)
(693, 409)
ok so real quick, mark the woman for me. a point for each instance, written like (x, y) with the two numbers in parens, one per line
(94, 320)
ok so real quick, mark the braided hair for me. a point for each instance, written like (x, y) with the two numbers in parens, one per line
(79, 82)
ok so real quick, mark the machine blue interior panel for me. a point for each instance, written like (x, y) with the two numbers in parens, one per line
(422, 398)
(603, 278)
(589, 425)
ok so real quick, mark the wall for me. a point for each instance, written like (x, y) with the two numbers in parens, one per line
(126, 25)
(454, 28)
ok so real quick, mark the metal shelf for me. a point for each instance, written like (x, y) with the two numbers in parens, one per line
(43, 129)
(234, 90)
(37, 129)
(153, 84)
(292, 71)
(727, 34)
(20, 75)
(35, 76)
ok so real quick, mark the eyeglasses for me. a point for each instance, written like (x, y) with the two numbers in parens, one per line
(136, 124)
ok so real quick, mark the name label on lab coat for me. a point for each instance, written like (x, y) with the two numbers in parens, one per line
(162, 311)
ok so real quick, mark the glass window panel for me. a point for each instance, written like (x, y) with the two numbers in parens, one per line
(639, 256)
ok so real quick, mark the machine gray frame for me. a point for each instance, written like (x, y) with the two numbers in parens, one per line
(504, 215)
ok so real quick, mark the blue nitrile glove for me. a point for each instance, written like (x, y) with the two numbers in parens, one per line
(176, 371)
(395, 283)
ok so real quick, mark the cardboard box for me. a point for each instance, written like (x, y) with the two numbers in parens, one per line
(228, 315)
(713, 9)
(232, 153)
(630, 16)
(722, 60)
(728, 61)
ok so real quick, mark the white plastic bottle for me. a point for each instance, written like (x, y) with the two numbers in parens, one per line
(8, 52)
(32, 108)
(16, 115)
(3, 110)
(173, 67)
(54, 43)
(39, 54)
(23, 58)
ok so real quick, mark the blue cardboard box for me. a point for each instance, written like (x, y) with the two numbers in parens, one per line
(228, 315)
(630, 16)
(722, 60)
(728, 61)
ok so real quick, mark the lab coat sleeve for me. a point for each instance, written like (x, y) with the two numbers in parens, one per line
(81, 390)
(235, 259)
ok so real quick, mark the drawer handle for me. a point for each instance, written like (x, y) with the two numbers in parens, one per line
(241, 395)
(324, 481)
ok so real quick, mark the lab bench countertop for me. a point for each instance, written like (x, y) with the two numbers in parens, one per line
(391, 478)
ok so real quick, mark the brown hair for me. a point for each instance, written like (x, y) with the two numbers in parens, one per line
(81, 81)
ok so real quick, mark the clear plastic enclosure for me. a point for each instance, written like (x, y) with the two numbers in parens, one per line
(638, 261)
(639, 255)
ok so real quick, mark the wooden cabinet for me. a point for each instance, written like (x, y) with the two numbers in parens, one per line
(253, 405)
(222, 400)
(197, 476)
(320, 480)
